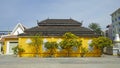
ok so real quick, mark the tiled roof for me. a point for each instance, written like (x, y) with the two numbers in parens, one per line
(57, 27)
(11, 36)
(6, 37)
(59, 22)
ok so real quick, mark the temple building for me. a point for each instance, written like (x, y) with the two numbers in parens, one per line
(53, 30)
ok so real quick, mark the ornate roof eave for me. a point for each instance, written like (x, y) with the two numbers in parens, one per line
(59, 35)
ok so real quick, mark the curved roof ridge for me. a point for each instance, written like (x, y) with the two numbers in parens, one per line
(59, 22)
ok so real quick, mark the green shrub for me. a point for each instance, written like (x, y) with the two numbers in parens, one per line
(17, 50)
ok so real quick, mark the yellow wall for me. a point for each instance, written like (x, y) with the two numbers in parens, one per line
(4, 46)
(30, 50)
(5, 43)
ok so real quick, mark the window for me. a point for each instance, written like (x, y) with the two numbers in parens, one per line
(113, 31)
(119, 18)
(113, 26)
(115, 19)
(112, 21)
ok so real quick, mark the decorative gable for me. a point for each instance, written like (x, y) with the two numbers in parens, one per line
(18, 29)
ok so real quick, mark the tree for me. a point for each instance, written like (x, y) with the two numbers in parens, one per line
(69, 41)
(36, 41)
(95, 27)
(101, 42)
(52, 46)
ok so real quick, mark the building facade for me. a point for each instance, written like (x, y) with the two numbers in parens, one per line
(115, 22)
(53, 30)
(113, 32)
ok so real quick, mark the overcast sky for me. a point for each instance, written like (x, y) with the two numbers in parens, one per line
(28, 12)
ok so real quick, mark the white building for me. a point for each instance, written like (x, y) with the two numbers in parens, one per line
(11, 39)
(116, 30)
(115, 22)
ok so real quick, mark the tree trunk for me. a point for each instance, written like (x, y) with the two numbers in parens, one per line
(51, 53)
(68, 54)
(101, 50)
(37, 52)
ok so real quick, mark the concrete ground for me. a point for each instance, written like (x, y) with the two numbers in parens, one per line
(86, 62)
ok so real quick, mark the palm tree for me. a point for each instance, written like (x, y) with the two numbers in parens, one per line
(69, 41)
(36, 41)
(51, 46)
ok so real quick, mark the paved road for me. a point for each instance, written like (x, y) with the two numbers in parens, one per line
(89, 62)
